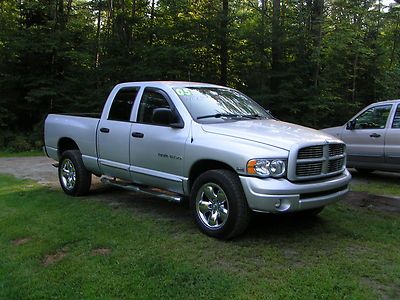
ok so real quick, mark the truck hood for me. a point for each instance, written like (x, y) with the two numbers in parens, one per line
(270, 132)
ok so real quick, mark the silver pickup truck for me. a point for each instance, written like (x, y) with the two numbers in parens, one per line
(209, 144)
(372, 137)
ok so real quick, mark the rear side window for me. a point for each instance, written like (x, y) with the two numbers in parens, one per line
(396, 119)
(122, 105)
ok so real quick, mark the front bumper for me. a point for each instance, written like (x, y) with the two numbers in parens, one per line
(281, 195)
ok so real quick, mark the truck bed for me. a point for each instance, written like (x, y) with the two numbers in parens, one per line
(80, 128)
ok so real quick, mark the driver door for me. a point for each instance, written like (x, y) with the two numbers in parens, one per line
(366, 141)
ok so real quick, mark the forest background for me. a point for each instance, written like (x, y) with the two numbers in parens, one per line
(312, 62)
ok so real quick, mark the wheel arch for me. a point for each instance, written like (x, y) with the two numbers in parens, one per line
(204, 165)
(65, 144)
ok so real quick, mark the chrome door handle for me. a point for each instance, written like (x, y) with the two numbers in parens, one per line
(137, 134)
(374, 135)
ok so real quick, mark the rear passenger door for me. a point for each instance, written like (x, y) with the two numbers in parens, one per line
(392, 142)
(113, 135)
(157, 150)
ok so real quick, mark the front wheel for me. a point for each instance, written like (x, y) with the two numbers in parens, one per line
(74, 179)
(218, 204)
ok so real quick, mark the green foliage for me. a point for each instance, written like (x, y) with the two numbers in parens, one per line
(19, 144)
(330, 57)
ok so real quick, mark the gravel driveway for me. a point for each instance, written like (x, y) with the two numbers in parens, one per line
(38, 168)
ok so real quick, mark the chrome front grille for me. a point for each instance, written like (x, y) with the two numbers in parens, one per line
(319, 161)
(336, 149)
(309, 169)
(335, 165)
(310, 152)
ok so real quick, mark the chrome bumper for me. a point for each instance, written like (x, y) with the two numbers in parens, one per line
(281, 195)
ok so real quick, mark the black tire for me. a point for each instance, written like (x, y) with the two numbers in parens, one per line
(233, 214)
(364, 171)
(74, 179)
(309, 213)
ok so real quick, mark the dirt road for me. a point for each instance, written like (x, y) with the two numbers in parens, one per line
(40, 169)
(37, 168)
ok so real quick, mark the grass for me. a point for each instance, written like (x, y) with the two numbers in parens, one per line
(386, 184)
(55, 246)
(21, 154)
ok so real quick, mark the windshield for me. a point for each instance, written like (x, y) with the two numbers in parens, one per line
(208, 104)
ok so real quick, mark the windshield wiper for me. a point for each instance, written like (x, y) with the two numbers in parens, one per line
(219, 116)
(255, 116)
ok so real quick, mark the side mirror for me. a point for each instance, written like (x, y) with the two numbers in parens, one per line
(351, 125)
(165, 116)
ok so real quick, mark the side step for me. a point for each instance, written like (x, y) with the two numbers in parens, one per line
(172, 197)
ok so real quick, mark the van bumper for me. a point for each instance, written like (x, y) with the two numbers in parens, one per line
(282, 195)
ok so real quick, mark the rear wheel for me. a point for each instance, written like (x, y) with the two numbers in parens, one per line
(218, 204)
(74, 179)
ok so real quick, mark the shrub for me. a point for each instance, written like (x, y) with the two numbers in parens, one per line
(19, 143)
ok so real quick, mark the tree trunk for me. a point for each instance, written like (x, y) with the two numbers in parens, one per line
(317, 18)
(134, 8)
(21, 18)
(395, 40)
(263, 14)
(60, 18)
(316, 35)
(223, 44)
(264, 58)
(152, 22)
(69, 8)
(110, 18)
(276, 47)
(354, 86)
(97, 54)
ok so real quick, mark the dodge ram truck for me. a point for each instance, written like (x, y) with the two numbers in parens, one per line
(208, 144)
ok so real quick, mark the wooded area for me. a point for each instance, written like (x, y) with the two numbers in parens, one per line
(312, 62)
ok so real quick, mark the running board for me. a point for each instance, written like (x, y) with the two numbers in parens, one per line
(172, 197)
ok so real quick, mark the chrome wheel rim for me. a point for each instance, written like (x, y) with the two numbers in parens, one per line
(212, 206)
(68, 174)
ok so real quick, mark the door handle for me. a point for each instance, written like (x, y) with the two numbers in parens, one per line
(374, 135)
(137, 134)
(105, 130)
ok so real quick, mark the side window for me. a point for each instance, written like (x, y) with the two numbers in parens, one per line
(122, 104)
(150, 100)
(396, 119)
(373, 118)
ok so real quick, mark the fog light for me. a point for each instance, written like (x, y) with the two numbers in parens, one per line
(278, 203)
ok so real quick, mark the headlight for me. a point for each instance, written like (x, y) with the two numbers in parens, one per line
(266, 167)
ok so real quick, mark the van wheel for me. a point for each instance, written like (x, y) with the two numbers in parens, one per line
(218, 204)
(74, 179)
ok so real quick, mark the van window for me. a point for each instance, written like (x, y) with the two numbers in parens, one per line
(373, 118)
(396, 119)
